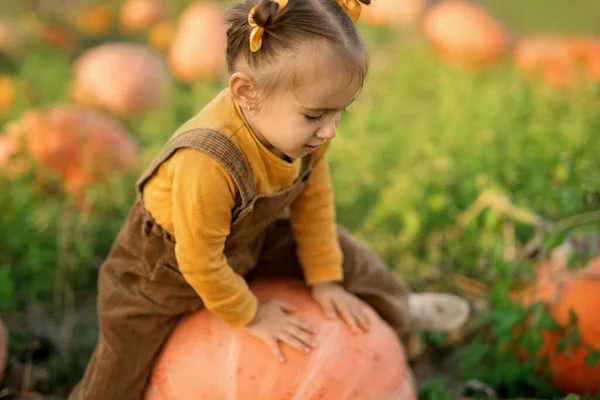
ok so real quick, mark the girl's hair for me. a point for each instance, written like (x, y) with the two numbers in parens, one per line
(285, 30)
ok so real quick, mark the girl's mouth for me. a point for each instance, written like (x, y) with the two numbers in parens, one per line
(311, 149)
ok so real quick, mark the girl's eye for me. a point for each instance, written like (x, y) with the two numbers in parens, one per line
(310, 118)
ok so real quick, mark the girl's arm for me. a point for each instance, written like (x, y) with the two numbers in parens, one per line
(314, 226)
(203, 197)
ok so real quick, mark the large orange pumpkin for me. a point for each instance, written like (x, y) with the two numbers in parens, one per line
(564, 291)
(465, 34)
(393, 12)
(561, 61)
(3, 349)
(205, 359)
(139, 15)
(199, 44)
(124, 78)
(82, 146)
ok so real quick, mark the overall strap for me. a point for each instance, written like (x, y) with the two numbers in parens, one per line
(217, 146)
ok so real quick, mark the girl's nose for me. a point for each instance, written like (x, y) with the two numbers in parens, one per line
(328, 131)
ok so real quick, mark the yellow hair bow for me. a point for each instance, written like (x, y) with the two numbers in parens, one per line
(352, 8)
(258, 31)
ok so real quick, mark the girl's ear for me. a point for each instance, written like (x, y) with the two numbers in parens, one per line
(243, 89)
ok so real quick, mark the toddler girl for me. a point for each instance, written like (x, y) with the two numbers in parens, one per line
(243, 190)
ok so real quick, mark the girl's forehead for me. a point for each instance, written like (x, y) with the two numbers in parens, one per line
(323, 79)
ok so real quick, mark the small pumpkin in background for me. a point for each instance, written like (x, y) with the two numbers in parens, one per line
(124, 78)
(199, 44)
(560, 60)
(94, 21)
(140, 15)
(564, 291)
(464, 34)
(82, 146)
(342, 367)
(393, 12)
(161, 35)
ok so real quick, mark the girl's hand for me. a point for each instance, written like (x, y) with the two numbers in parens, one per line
(335, 300)
(273, 324)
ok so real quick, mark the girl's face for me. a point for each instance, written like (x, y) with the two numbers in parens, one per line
(297, 122)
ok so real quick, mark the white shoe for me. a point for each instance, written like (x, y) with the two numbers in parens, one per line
(437, 312)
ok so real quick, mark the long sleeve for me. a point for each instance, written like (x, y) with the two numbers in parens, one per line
(314, 226)
(203, 196)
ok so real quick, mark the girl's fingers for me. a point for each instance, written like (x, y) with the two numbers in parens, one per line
(363, 318)
(293, 341)
(348, 317)
(304, 325)
(287, 307)
(328, 307)
(274, 346)
(301, 335)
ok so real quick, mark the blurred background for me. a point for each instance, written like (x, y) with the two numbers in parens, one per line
(467, 163)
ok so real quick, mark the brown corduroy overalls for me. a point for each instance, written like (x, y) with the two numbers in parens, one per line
(142, 294)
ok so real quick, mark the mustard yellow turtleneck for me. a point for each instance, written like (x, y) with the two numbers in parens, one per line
(191, 196)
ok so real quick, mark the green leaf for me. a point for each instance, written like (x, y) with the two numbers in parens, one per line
(572, 318)
(592, 358)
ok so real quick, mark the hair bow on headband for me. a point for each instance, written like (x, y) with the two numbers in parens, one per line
(351, 7)
(258, 31)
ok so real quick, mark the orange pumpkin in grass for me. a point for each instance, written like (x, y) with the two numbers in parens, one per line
(565, 291)
(94, 21)
(124, 78)
(465, 34)
(587, 51)
(561, 61)
(139, 15)
(161, 35)
(81, 146)
(393, 12)
(205, 359)
(199, 44)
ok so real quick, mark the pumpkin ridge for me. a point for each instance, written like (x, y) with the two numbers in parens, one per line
(233, 360)
(317, 361)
